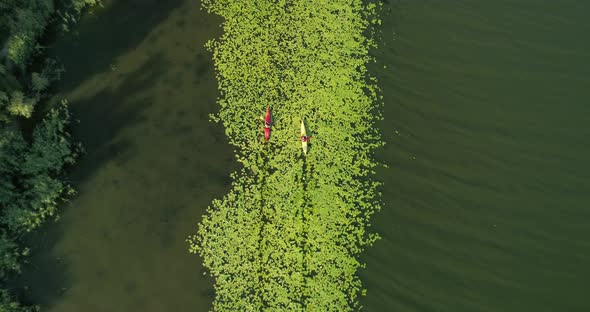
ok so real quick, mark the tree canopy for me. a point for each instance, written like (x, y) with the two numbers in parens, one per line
(31, 164)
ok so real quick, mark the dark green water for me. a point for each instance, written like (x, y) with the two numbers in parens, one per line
(487, 123)
(486, 120)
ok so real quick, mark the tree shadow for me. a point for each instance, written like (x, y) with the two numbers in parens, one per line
(103, 115)
(42, 268)
(102, 36)
(45, 276)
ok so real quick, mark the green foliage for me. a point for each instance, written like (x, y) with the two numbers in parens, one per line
(4, 100)
(7, 80)
(26, 23)
(18, 49)
(26, 20)
(21, 105)
(50, 72)
(79, 5)
(51, 148)
(39, 82)
(31, 171)
(6, 5)
(31, 187)
(12, 146)
(288, 235)
(38, 202)
(9, 304)
(9, 256)
(72, 10)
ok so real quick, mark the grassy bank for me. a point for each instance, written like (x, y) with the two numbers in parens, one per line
(288, 235)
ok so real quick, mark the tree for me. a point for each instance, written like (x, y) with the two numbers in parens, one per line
(9, 304)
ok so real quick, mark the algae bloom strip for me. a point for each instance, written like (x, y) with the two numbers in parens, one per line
(288, 235)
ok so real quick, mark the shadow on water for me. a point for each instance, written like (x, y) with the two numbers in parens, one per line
(42, 268)
(129, 23)
(102, 115)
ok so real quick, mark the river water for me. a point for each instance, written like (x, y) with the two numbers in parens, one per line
(486, 194)
(487, 124)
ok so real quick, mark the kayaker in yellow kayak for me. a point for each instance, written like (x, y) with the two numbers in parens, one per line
(304, 138)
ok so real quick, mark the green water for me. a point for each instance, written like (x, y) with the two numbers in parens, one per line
(486, 121)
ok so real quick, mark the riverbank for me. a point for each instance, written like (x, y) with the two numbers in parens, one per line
(142, 104)
(35, 144)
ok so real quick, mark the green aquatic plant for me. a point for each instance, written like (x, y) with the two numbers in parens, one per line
(288, 235)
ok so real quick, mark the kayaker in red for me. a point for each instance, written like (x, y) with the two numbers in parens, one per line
(267, 124)
(304, 138)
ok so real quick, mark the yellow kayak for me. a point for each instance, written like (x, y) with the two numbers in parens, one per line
(303, 138)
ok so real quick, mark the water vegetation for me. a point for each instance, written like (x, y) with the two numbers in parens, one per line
(35, 147)
(288, 235)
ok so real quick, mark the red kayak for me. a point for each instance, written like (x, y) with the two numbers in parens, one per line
(267, 124)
